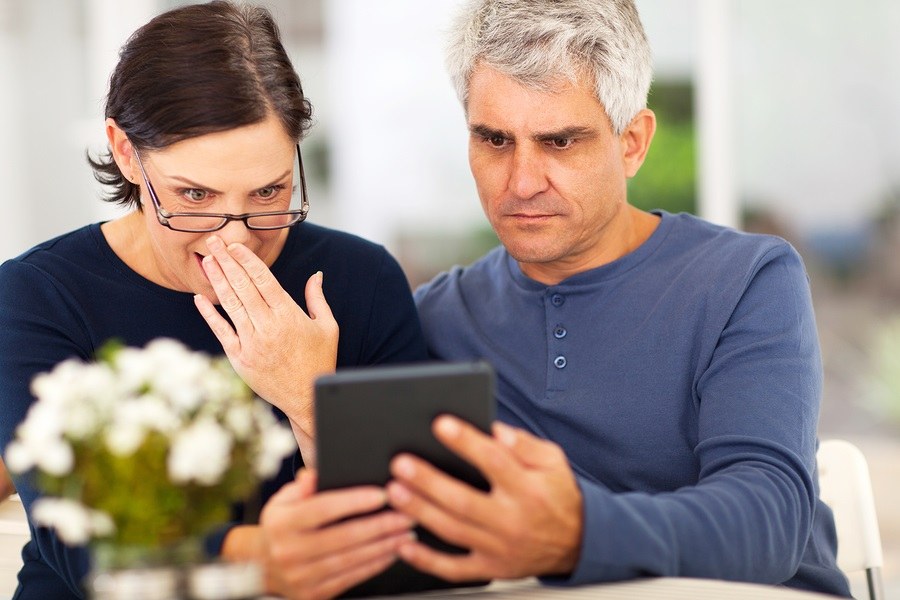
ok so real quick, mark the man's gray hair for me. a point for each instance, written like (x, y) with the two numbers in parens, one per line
(537, 42)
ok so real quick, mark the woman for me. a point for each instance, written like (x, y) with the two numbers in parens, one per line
(203, 117)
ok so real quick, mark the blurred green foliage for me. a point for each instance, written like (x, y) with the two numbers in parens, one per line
(668, 178)
(884, 381)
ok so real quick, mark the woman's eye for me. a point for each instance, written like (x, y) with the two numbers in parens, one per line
(195, 195)
(268, 192)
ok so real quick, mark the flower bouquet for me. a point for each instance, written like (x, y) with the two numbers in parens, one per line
(144, 449)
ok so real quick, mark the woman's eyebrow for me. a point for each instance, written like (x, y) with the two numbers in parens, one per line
(194, 184)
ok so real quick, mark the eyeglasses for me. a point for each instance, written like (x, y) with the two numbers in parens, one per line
(199, 222)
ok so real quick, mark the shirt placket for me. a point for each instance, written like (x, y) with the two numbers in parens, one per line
(556, 331)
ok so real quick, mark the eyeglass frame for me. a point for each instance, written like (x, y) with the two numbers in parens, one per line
(163, 216)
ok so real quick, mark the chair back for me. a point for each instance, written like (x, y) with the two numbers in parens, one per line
(845, 486)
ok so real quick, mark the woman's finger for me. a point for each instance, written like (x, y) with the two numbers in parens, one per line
(260, 276)
(220, 327)
(240, 291)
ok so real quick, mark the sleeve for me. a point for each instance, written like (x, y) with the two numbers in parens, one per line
(393, 333)
(749, 517)
(38, 329)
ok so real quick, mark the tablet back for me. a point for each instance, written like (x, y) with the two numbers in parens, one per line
(365, 416)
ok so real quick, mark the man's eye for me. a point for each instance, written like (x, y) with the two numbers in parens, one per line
(195, 195)
(497, 141)
(562, 143)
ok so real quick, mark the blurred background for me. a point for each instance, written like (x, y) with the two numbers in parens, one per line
(774, 116)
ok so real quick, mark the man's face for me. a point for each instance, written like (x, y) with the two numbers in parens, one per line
(550, 172)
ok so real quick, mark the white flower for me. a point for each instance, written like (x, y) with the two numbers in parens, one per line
(56, 458)
(18, 458)
(200, 453)
(196, 409)
(133, 368)
(101, 524)
(56, 386)
(124, 440)
(43, 424)
(239, 419)
(276, 443)
(74, 523)
(81, 422)
(134, 417)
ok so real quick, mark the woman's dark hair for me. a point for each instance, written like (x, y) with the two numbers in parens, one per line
(195, 70)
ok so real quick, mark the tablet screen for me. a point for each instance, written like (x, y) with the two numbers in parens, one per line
(365, 416)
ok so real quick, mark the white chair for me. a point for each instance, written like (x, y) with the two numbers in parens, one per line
(846, 488)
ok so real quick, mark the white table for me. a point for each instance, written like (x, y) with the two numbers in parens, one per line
(662, 588)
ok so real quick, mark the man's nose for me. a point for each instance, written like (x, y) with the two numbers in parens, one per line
(528, 175)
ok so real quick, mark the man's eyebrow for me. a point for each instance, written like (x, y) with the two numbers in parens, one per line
(488, 132)
(577, 131)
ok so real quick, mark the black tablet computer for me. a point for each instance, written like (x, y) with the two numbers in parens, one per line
(367, 415)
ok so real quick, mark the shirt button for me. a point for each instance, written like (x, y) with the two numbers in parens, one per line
(560, 362)
(559, 332)
(557, 299)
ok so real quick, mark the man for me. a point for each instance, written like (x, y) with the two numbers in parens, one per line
(659, 377)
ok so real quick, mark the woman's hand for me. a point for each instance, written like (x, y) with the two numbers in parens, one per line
(311, 552)
(273, 345)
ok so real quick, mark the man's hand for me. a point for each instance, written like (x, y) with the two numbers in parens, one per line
(528, 524)
(310, 552)
(274, 346)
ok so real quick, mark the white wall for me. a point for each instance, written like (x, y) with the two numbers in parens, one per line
(816, 128)
(397, 132)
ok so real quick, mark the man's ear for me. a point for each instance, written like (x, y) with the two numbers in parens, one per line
(636, 141)
(122, 150)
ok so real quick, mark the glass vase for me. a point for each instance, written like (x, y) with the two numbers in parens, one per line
(135, 572)
(176, 572)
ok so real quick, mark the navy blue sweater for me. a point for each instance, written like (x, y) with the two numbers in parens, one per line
(66, 297)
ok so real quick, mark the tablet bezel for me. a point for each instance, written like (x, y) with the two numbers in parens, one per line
(366, 415)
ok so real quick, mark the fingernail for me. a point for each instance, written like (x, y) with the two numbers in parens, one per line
(214, 242)
(447, 426)
(319, 277)
(404, 467)
(398, 494)
(506, 434)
